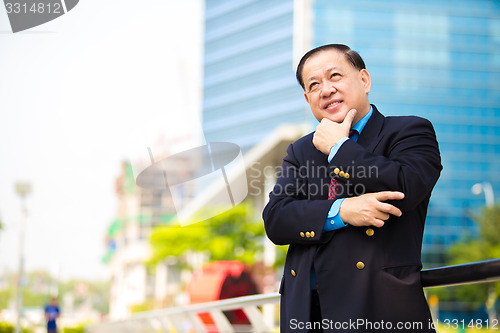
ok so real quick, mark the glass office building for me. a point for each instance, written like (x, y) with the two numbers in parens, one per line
(438, 59)
(249, 86)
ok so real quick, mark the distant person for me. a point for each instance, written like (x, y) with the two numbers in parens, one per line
(51, 314)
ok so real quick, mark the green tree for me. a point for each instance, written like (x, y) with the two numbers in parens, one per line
(485, 246)
(95, 292)
(5, 296)
(236, 234)
(40, 286)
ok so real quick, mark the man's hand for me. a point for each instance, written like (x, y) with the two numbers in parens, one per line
(370, 209)
(328, 132)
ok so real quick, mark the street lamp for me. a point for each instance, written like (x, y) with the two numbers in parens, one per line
(485, 187)
(489, 197)
(22, 189)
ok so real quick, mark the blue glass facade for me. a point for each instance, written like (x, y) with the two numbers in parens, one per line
(249, 86)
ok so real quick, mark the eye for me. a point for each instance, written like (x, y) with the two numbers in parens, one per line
(334, 75)
(312, 85)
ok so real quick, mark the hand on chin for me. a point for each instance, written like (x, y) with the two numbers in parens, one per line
(337, 117)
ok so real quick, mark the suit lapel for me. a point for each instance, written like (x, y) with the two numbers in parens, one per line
(371, 134)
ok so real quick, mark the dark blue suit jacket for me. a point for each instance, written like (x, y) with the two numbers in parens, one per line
(364, 275)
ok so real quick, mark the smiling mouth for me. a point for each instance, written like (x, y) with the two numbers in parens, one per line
(332, 104)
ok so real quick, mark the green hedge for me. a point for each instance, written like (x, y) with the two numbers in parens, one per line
(77, 329)
(10, 328)
(6, 328)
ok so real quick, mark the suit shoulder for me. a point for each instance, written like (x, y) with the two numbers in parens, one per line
(407, 121)
(301, 145)
(305, 140)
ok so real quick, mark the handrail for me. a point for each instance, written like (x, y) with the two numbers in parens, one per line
(175, 319)
(475, 272)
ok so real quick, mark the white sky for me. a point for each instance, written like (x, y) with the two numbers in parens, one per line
(77, 96)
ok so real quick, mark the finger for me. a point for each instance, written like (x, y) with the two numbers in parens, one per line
(322, 126)
(325, 121)
(382, 216)
(389, 209)
(389, 195)
(349, 118)
(378, 223)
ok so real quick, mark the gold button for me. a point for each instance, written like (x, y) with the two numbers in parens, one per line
(293, 272)
(341, 173)
(370, 232)
(359, 265)
(336, 171)
(346, 175)
(302, 234)
(313, 233)
(308, 234)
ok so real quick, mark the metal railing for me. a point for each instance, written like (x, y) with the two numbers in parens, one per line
(187, 318)
(475, 272)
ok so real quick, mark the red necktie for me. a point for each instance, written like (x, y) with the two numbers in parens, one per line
(332, 190)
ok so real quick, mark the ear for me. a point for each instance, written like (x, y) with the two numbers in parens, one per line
(305, 96)
(367, 81)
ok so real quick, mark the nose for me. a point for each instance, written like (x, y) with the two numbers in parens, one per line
(328, 89)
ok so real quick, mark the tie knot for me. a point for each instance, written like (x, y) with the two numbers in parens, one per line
(352, 132)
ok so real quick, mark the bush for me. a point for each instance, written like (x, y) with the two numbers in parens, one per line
(76, 329)
(10, 328)
(6, 327)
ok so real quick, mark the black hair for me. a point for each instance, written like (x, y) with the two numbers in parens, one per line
(352, 57)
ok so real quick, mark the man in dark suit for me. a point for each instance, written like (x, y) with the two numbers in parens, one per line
(351, 201)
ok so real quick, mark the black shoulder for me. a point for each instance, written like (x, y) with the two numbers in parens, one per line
(305, 143)
(405, 121)
(305, 140)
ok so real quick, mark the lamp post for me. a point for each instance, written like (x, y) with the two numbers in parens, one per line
(22, 189)
(489, 195)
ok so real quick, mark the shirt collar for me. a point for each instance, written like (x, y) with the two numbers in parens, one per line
(362, 122)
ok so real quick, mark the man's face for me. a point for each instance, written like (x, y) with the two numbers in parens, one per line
(333, 86)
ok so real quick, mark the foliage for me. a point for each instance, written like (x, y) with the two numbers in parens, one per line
(97, 291)
(76, 329)
(10, 328)
(145, 306)
(34, 299)
(5, 296)
(486, 246)
(236, 234)
(6, 327)
(32, 295)
(39, 286)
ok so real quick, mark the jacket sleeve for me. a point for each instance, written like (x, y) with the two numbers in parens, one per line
(410, 163)
(290, 217)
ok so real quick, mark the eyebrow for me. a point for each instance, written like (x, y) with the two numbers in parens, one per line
(314, 77)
